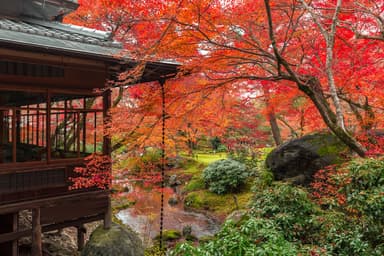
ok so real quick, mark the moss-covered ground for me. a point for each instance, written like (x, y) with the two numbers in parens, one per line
(198, 197)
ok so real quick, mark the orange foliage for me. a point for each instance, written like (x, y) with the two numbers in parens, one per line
(96, 173)
(228, 48)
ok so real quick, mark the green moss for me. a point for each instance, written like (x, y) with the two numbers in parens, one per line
(206, 159)
(219, 204)
(169, 235)
(154, 251)
(196, 183)
(328, 144)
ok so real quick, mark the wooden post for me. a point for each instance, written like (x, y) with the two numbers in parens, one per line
(80, 237)
(106, 119)
(14, 136)
(28, 125)
(37, 124)
(9, 224)
(65, 124)
(85, 125)
(95, 132)
(107, 150)
(48, 127)
(18, 126)
(78, 133)
(2, 139)
(36, 233)
(15, 227)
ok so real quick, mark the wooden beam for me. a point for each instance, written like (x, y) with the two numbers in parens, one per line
(72, 223)
(4, 86)
(52, 201)
(11, 236)
(38, 58)
(36, 233)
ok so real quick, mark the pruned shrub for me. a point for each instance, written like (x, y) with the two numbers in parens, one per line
(224, 176)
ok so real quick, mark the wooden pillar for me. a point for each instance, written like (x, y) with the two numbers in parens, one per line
(94, 132)
(28, 124)
(65, 124)
(18, 126)
(78, 133)
(48, 127)
(38, 125)
(85, 125)
(9, 223)
(107, 150)
(81, 230)
(15, 226)
(14, 136)
(2, 134)
(106, 119)
(36, 233)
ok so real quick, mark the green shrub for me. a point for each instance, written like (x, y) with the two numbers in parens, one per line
(289, 206)
(253, 237)
(365, 196)
(224, 176)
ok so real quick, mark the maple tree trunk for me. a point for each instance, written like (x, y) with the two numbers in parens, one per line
(313, 90)
(272, 118)
(275, 128)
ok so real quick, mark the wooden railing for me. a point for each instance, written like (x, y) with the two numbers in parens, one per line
(25, 181)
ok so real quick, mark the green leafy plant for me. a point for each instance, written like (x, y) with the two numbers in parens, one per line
(290, 208)
(224, 176)
(253, 237)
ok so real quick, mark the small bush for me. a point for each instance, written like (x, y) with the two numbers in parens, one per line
(224, 176)
(253, 237)
(290, 208)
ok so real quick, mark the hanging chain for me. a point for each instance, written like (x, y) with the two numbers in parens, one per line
(162, 82)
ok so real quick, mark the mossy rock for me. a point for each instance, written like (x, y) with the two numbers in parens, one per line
(297, 160)
(116, 241)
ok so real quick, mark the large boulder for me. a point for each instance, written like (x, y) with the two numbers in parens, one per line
(297, 160)
(116, 241)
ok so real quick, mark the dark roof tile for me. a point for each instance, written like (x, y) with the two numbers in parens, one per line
(51, 34)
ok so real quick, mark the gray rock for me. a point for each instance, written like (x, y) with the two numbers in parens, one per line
(173, 181)
(187, 230)
(297, 160)
(237, 215)
(116, 241)
(173, 201)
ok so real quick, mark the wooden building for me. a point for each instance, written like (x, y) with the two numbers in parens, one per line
(51, 117)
